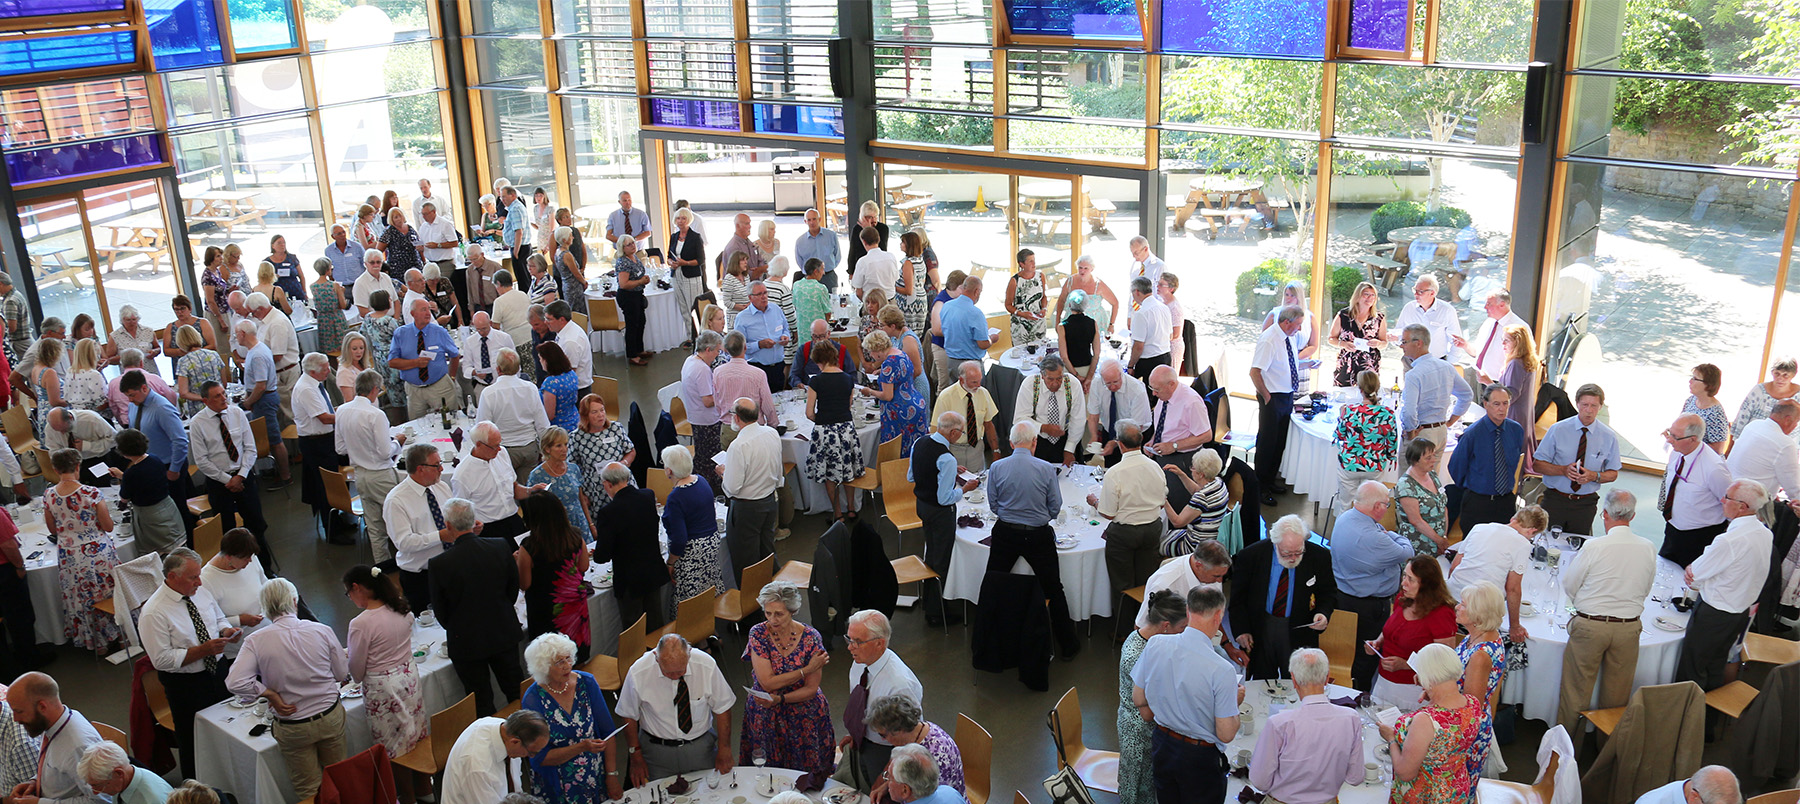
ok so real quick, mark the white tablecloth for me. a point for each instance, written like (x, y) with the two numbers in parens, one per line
(43, 574)
(1259, 699)
(1310, 462)
(746, 792)
(790, 409)
(665, 326)
(1083, 566)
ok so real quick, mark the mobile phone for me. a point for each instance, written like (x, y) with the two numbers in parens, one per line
(259, 729)
(34, 555)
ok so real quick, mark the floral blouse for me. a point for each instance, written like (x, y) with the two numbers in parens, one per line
(200, 366)
(1432, 509)
(593, 451)
(1758, 404)
(1717, 427)
(1368, 440)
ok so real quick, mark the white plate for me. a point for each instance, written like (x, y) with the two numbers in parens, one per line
(1067, 543)
(1667, 624)
(234, 703)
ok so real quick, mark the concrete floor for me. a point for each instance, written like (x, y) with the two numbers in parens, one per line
(1014, 715)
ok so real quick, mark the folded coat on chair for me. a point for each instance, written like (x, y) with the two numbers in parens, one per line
(1012, 629)
(366, 778)
(1765, 743)
(1658, 740)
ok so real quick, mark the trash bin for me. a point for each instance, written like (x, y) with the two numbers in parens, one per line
(793, 183)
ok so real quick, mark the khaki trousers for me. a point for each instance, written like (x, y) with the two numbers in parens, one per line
(422, 399)
(284, 380)
(373, 486)
(1436, 435)
(525, 458)
(1607, 649)
(309, 747)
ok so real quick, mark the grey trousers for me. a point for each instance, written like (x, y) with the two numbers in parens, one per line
(750, 533)
(373, 486)
(972, 457)
(668, 760)
(940, 540)
(525, 458)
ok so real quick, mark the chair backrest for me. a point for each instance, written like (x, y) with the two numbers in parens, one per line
(631, 644)
(1002, 341)
(259, 429)
(1019, 798)
(448, 725)
(1067, 722)
(112, 734)
(677, 411)
(158, 699)
(1216, 408)
(694, 616)
(1339, 643)
(1391, 519)
(608, 389)
(659, 483)
(43, 461)
(977, 749)
(208, 533)
(337, 490)
(889, 450)
(18, 427)
(897, 495)
(1777, 797)
(850, 345)
(756, 577)
(604, 314)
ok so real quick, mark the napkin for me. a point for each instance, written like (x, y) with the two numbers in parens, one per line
(987, 541)
(807, 783)
(679, 786)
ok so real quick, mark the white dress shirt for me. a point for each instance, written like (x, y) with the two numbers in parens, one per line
(1731, 572)
(753, 470)
(489, 485)
(1133, 401)
(1151, 267)
(1271, 355)
(471, 353)
(310, 402)
(362, 435)
(1699, 497)
(95, 435)
(61, 780)
(410, 524)
(1070, 407)
(648, 697)
(1489, 348)
(1490, 552)
(1610, 576)
(580, 350)
(367, 284)
(1150, 324)
(276, 331)
(1175, 576)
(888, 675)
(440, 230)
(403, 312)
(1134, 490)
(1768, 456)
(1440, 320)
(876, 270)
(478, 767)
(516, 407)
(207, 445)
(168, 630)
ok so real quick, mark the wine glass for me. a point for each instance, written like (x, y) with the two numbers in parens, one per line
(713, 779)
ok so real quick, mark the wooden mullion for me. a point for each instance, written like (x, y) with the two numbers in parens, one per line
(126, 16)
(1428, 48)
(1781, 274)
(316, 130)
(1001, 90)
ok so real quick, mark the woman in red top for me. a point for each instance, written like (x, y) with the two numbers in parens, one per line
(1424, 613)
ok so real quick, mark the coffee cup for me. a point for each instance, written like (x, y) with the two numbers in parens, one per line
(261, 709)
(1371, 772)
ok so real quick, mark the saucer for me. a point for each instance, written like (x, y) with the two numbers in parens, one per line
(237, 704)
(1067, 542)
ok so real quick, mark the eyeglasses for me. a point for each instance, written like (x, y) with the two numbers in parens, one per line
(861, 642)
(1293, 555)
(438, 465)
(1673, 437)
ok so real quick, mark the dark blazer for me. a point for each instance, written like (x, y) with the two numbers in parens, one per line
(693, 249)
(1314, 591)
(474, 585)
(630, 529)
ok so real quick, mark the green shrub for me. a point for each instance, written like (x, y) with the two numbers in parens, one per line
(1271, 274)
(1401, 214)
(1344, 279)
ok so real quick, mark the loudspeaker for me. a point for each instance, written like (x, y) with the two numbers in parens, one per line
(1537, 97)
(838, 54)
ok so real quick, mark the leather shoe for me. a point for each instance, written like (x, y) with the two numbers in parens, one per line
(1268, 499)
(1071, 652)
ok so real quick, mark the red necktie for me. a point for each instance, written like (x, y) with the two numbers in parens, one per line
(1668, 506)
(1482, 358)
(1280, 607)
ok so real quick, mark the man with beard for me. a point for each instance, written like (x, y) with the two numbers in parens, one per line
(36, 704)
(1282, 596)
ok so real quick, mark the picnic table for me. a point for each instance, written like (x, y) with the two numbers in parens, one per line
(40, 252)
(145, 234)
(225, 208)
(1217, 198)
(1424, 245)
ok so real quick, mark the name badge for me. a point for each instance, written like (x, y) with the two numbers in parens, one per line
(1312, 580)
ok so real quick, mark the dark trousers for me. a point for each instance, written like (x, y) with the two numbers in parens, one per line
(507, 528)
(188, 694)
(519, 255)
(1145, 365)
(459, 284)
(940, 539)
(1275, 642)
(1683, 546)
(1037, 545)
(1186, 773)
(1271, 437)
(1050, 449)
(1371, 614)
(1572, 514)
(1707, 644)
(182, 489)
(750, 533)
(317, 452)
(246, 503)
(873, 757)
(1483, 509)
(647, 604)
(416, 586)
(1131, 556)
(20, 649)
(1102, 437)
(631, 306)
(1176, 491)
(777, 374)
(473, 671)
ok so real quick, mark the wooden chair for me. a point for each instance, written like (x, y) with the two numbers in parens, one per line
(609, 671)
(693, 619)
(1777, 797)
(889, 450)
(738, 605)
(1767, 649)
(580, 320)
(113, 735)
(1604, 720)
(659, 483)
(897, 497)
(912, 569)
(259, 430)
(678, 414)
(208, 533)
(1494, 791)
(158, 699)
(524, 684)
(603, 315)
(608, 389)
(17, 421)
(1339, 643)
(977, 749)
(1002, 341)
(798, 573)
(337, 495)
(1097, 769)
(1732, 699)
(1018, 797)
(429, 755)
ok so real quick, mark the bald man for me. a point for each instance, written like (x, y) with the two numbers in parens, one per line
(481, 355)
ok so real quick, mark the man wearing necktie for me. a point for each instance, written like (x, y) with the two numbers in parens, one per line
(1485, 465)
(185, 634)
(481, 355)
(1490, 354)
(1115, 397)
(315, 421)
(414, 513)
(1576, 456)
(979, 442)
(1056, 403)
(1273, 370)
(225, 451)
(675, 707)
(875, 673)
(427, 357)
(481, 767)
(473, 586)
(1692, 493)
(1282, 595)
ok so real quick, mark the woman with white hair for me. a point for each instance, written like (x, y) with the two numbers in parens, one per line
(1437, 751)
(1482, 653)
(792, 727)
(1205, 509)
(765, 241)
(900, 721)
(687, 258)
(574, 763)
(628, 268)
(493, 221)
(132, 334)
(867, 216)
(1078, 336)
(776, 283)
(692, 525)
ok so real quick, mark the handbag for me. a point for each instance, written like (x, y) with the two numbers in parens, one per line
(1065, 785)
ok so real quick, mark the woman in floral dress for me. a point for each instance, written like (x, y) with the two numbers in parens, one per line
(1362, 319)
(553, 562)
(904, 413)
(597, 442)
(214, 287)
(1435, 748)
(380, 642)
(1025, 300)
(836, 451)
(197, 367)
(787, 659)
(1165, 613)
(82, 527)
(1424, 517)
(85, 389)
(563, 479)
(378, 326)
(572, 767)
(910, 295)
(1703, 388)
(1761, 399)
(328, 303)
(1483, 655)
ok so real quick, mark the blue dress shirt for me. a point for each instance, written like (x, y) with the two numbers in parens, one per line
(1560, 443)
(406, 346)
(1188, 685)
(756, 325)
(1431, 387)
(346, 263)
(640, 223)
(1276, 571)
(964, 327)
(515, 222)
(948, 492)
(1472, 464)
(161, 423)
(1366, 559)
(1023, 490)
(824, 246)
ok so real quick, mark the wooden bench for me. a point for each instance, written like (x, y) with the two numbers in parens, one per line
(1042, 224)
(1214, 216)
(1098, 209)
(912, 210)
(835, 213)
(1383, 271)
(112, 254)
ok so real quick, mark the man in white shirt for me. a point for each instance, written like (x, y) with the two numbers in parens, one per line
(480, 769)
(481, 355)
(675, 706)
(1607, 581)
(1489, 345)
(1144, 263)
(361, 434)
(517, 408)
(36, 704)
(1713, 784)
(575, 345)
(487, 479)
(315, 419)
(877, 269)
(1766, 453)
(1056, 404)
(219, 439)
(438, 238)
(1131, 498)
(276, 331)
(372, 278)
(1150, 329)
(875, 673)
(1118, 396)
(85, 431)
(191, 665)
(438, 202)
(415, 291)
(1206, 566)
(1438, 318)
(1498, 554)
(1275, 371)
(512, 309)
(1693, 487)
(414, 511)
(751, 477)
(1729, 576)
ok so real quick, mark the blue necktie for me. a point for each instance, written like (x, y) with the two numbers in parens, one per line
(1293, 370)
(329, 407)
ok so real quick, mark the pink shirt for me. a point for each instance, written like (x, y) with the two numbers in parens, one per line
(380, 640)
(1186, 416)
(301, 660)
(121, 407)
(1308, 752)
(738, 379)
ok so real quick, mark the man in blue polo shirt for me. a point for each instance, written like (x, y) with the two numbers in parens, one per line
(1190, 694)
(428, 361)
(965, 327)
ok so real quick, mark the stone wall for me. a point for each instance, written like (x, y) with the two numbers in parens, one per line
(1671, 143)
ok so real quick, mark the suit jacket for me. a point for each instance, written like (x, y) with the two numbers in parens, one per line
(695, 249)
(1658, 740)
(631, 535)
(474, 585)
(830, 600)
(1012, 629)
(1314, 588)
(1766, 741)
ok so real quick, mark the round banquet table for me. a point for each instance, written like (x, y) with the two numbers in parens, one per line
(745, 793)
(664, 325)
(1310, 463)
(1083, 566)
(43, 577)
(796, 444)
(1262, 700)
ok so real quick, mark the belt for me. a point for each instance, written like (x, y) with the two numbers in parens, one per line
(1429, 426)
(670, 743)
(299, 721)
(1488, 496)
(1598, 618)
(1182, 737)
(1588, 496)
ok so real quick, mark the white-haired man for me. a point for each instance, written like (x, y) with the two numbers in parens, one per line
(1276, 370)
(1729, 576)
(511, 307)
(87, 432)
(875, 673)
(346, 255)
(675, 706)
(1438, 318)
(1367, 560)
(1307, 753)
(1282, 595)
(933, 470)
(820, 244)
(1489, 345)
(372, 279)
(1131, 499)
(426, 196)
(106, 769)
(1116, 396)
(1433, 395)
(979, 442)
(414, 282)
(360, 433)
(1694, 484)
(479, 769)
(297, 665)
(487, 479)
(516, 407)
(1025, 493)
(1056, 403)
(131, 361)
(1179, 425)
(751, 477)
(481, 350)
(740, 244)
(427, 357)
(1713, 784)
(1143, 262)
(472, 590)
(315, 422)
(1767, 454)
(1607, 582)
(437, 237)
(185, 634)
(912, 776)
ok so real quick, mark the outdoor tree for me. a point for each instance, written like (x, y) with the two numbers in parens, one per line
(1772, 135)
